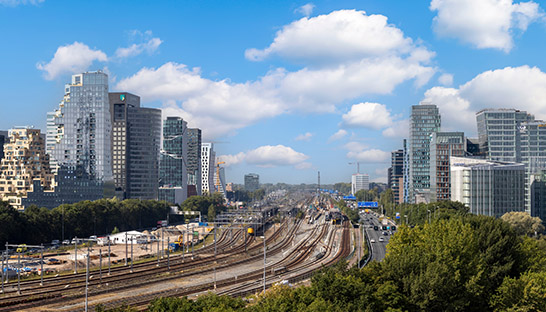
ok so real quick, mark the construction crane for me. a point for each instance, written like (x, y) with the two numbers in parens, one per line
(217, 182)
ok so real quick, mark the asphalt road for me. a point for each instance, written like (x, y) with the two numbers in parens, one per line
(379, 248)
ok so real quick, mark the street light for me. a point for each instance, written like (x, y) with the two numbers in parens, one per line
(428, 213)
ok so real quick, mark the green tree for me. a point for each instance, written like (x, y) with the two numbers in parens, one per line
(523, 223)
(527, 293)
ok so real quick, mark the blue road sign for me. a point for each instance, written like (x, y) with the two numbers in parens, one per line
(368, 205)
(350, 197)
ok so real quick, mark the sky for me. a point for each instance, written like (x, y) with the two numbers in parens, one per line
(284, 88)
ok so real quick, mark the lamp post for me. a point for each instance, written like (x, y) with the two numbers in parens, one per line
(428, 213)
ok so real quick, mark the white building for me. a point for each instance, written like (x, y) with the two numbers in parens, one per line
(360, 181)
(207, 168)
(488, 188)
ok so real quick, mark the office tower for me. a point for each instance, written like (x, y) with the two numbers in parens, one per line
(208, 163)
(473, 148)
(487, 187)
(360, 181)
(498, 133)
(25, 161)
(425, 119)
(136, 137)
(79, 131)
(252, 182)
(514, 136)
(396, 176)
(4, 137)
(194, 161)
(442, 146)
(173, 175)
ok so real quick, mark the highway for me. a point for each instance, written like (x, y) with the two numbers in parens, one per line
(378, 248)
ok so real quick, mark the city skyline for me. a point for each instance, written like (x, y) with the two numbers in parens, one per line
(284, 103)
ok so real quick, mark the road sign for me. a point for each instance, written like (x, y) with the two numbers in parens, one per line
(350, 197)
(368, 205)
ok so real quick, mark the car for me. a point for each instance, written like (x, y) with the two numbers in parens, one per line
(55, 242)
(372, 240)
(93, 237)
(381, 239)
(385, 233)
(66, 242)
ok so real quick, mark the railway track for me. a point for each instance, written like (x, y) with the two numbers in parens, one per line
(121, 280)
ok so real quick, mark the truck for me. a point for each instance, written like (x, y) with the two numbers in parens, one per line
(162, 223)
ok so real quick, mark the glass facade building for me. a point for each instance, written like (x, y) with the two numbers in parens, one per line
(136, 136)
(194, 159)
(488, 188)
(424, 120)
(79, 131)
(252, 182)
(173, 175)
(396, 175)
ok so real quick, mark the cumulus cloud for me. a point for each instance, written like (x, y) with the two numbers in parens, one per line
(521, 88)
(304, 137)
(355, 146)
(368, 115)
(338, 135)
(305, 9)
(483, 23)
(71, 58)
(380, 175)
(149, 47)
(370, 156)
(217, 107)
(269, 156)
(13, 3)
(446, 79)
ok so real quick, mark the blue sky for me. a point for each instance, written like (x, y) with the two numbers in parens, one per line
(286, 88)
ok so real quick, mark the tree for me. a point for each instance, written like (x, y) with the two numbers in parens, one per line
(523, 223)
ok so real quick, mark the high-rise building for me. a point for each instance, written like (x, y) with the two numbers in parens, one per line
(173, 174)
(498, 133)
(360, 181)
(425, 119)
(488, 188)
(512, 135)
(25, 161)
(220, 181)
(208, 162)
(538, 194)
(252, 182)
(79, 131)
(442, 146)
(136, 137)
(396, 175)
(194, 160)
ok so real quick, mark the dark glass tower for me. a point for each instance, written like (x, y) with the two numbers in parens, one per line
(194, 161)
(136, 135)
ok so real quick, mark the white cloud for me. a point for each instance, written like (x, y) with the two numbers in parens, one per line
(269, 156)
(355, 146)
(149, 47)
(304, 137)
(232, 160)
(13, 3)
(217, 107)
(339, 36)
(483, 23)
(446, 79)
(399, 129)
(521, 88)
(338, 135)
(72, 58)
(368, 115)
(380, 175)
(305, 9)
(370, 156)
